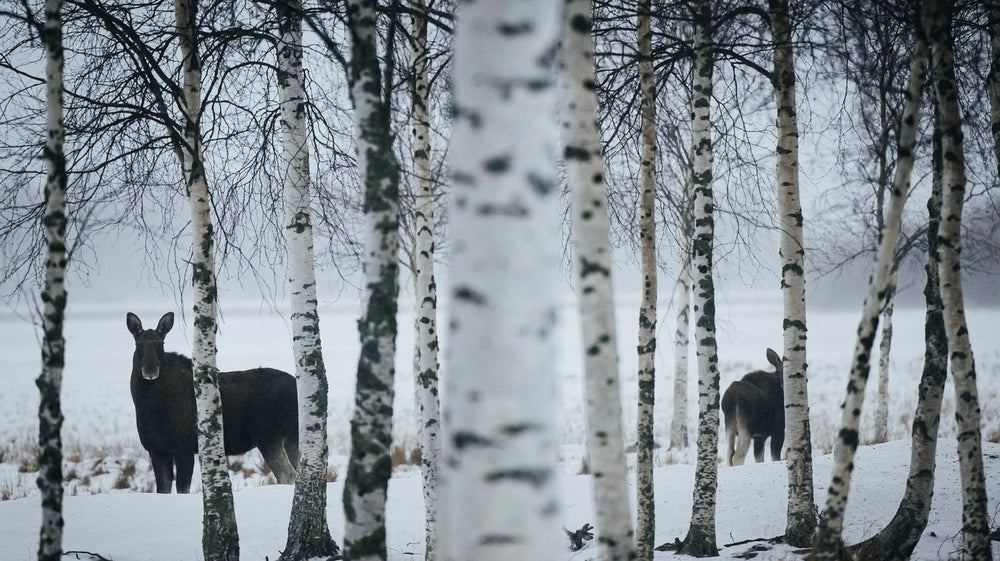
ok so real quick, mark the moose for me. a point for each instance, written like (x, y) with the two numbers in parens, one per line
(754, 408)
(259, 410)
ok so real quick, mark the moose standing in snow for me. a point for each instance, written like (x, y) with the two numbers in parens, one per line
(754, 408)
(259, 410)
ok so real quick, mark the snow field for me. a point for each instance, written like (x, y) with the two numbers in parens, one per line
(103, 453)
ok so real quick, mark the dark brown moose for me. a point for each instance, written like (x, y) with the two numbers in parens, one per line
(259, 410)
(754, 408)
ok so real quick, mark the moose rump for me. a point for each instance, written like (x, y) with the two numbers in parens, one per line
(259, 410)
(754, 409)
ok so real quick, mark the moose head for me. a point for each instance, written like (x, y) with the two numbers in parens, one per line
(148, 357)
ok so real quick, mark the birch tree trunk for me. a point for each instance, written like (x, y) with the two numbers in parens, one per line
(592, 243)
(975, 524)
(646, 509)
(829, 544)
(308, 530)
(884, 347)
(369, 468)
(425, 288)
(499, 491)
(678, 422)
(800, 517)
(700, 539)
(993, 78)
(49, 382)
(897, 540)
(220, 538)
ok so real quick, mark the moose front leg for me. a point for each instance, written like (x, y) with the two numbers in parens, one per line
(185, 468)
(163, 471)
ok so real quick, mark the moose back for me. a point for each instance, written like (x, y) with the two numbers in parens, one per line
(259, 410)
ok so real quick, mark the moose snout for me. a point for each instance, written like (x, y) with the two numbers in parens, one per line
(151, 371)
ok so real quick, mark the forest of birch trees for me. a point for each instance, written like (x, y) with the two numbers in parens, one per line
(502, 142)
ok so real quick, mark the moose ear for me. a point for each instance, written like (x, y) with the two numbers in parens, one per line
(774, 359)
(134, 323)
(166, 324)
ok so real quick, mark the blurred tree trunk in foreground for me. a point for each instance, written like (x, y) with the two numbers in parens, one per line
(499, 477)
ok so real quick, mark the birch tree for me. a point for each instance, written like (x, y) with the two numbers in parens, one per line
(220, 538)
(592, 244)
(800, 518)
(308, 530)
(700, 539)
(993, 78)
(898, 539)
(499, 491)
(975, 524)
(50, 417)
(426, 358)
(828, 543)
(682, 293)
(369, 467)
(646, 509)
(881, 423)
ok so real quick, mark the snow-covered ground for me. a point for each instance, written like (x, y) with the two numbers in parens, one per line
(104, 456)
(150, 527)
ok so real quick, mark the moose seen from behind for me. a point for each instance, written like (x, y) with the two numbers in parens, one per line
(754, 408)
(259, 410)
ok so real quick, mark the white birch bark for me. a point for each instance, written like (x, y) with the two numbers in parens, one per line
(369, 467)
(975, 522)
(499, 492)
(220, 538)
(428, 404)
(50, 416)
(682, 295)
(645, 527)
(800, 517)
(592, 244)
(700, 539)
(308, 530)
(881, 423)
(829, 544)
(898, 539)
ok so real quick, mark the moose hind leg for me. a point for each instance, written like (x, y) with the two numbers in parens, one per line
(185, 470)
(163, 471)
(742, 446)
(758, 449)
(730, 442)
(292, 451)
(277, 459)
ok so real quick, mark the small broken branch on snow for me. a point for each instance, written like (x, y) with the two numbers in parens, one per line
(580, 537)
